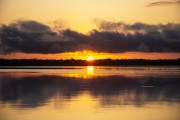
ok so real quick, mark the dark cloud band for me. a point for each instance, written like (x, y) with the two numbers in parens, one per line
(112, 37)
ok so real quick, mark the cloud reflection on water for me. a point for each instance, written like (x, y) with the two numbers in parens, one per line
(33, 90)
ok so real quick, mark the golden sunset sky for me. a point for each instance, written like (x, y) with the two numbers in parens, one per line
(83, 16)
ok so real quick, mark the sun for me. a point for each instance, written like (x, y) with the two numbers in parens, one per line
(90, 58)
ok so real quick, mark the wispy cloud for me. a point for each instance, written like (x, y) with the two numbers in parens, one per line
(111, 37)
(159, 3)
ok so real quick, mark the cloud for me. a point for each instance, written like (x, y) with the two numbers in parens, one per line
(34, 37)
(111, 37)
(159, 3)
(30, 26)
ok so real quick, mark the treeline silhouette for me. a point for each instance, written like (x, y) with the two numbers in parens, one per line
(100, 62)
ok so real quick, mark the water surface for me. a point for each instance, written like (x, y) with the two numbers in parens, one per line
(90, 93)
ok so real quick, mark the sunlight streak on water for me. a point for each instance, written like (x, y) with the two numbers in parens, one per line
(96, 70)
(90, 70)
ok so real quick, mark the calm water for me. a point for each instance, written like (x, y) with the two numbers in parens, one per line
(90, 93)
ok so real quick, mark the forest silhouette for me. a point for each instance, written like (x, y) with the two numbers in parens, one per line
(99, 62)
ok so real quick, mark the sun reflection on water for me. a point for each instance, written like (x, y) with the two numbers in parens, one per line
(90, 70)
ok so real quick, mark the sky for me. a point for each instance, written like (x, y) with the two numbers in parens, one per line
(64, 29)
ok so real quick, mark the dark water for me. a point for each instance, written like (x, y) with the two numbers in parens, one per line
(90, 93)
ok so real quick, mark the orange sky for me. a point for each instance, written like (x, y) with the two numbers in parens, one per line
(80, 15)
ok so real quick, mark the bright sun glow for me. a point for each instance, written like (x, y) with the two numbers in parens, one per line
(90, 58)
